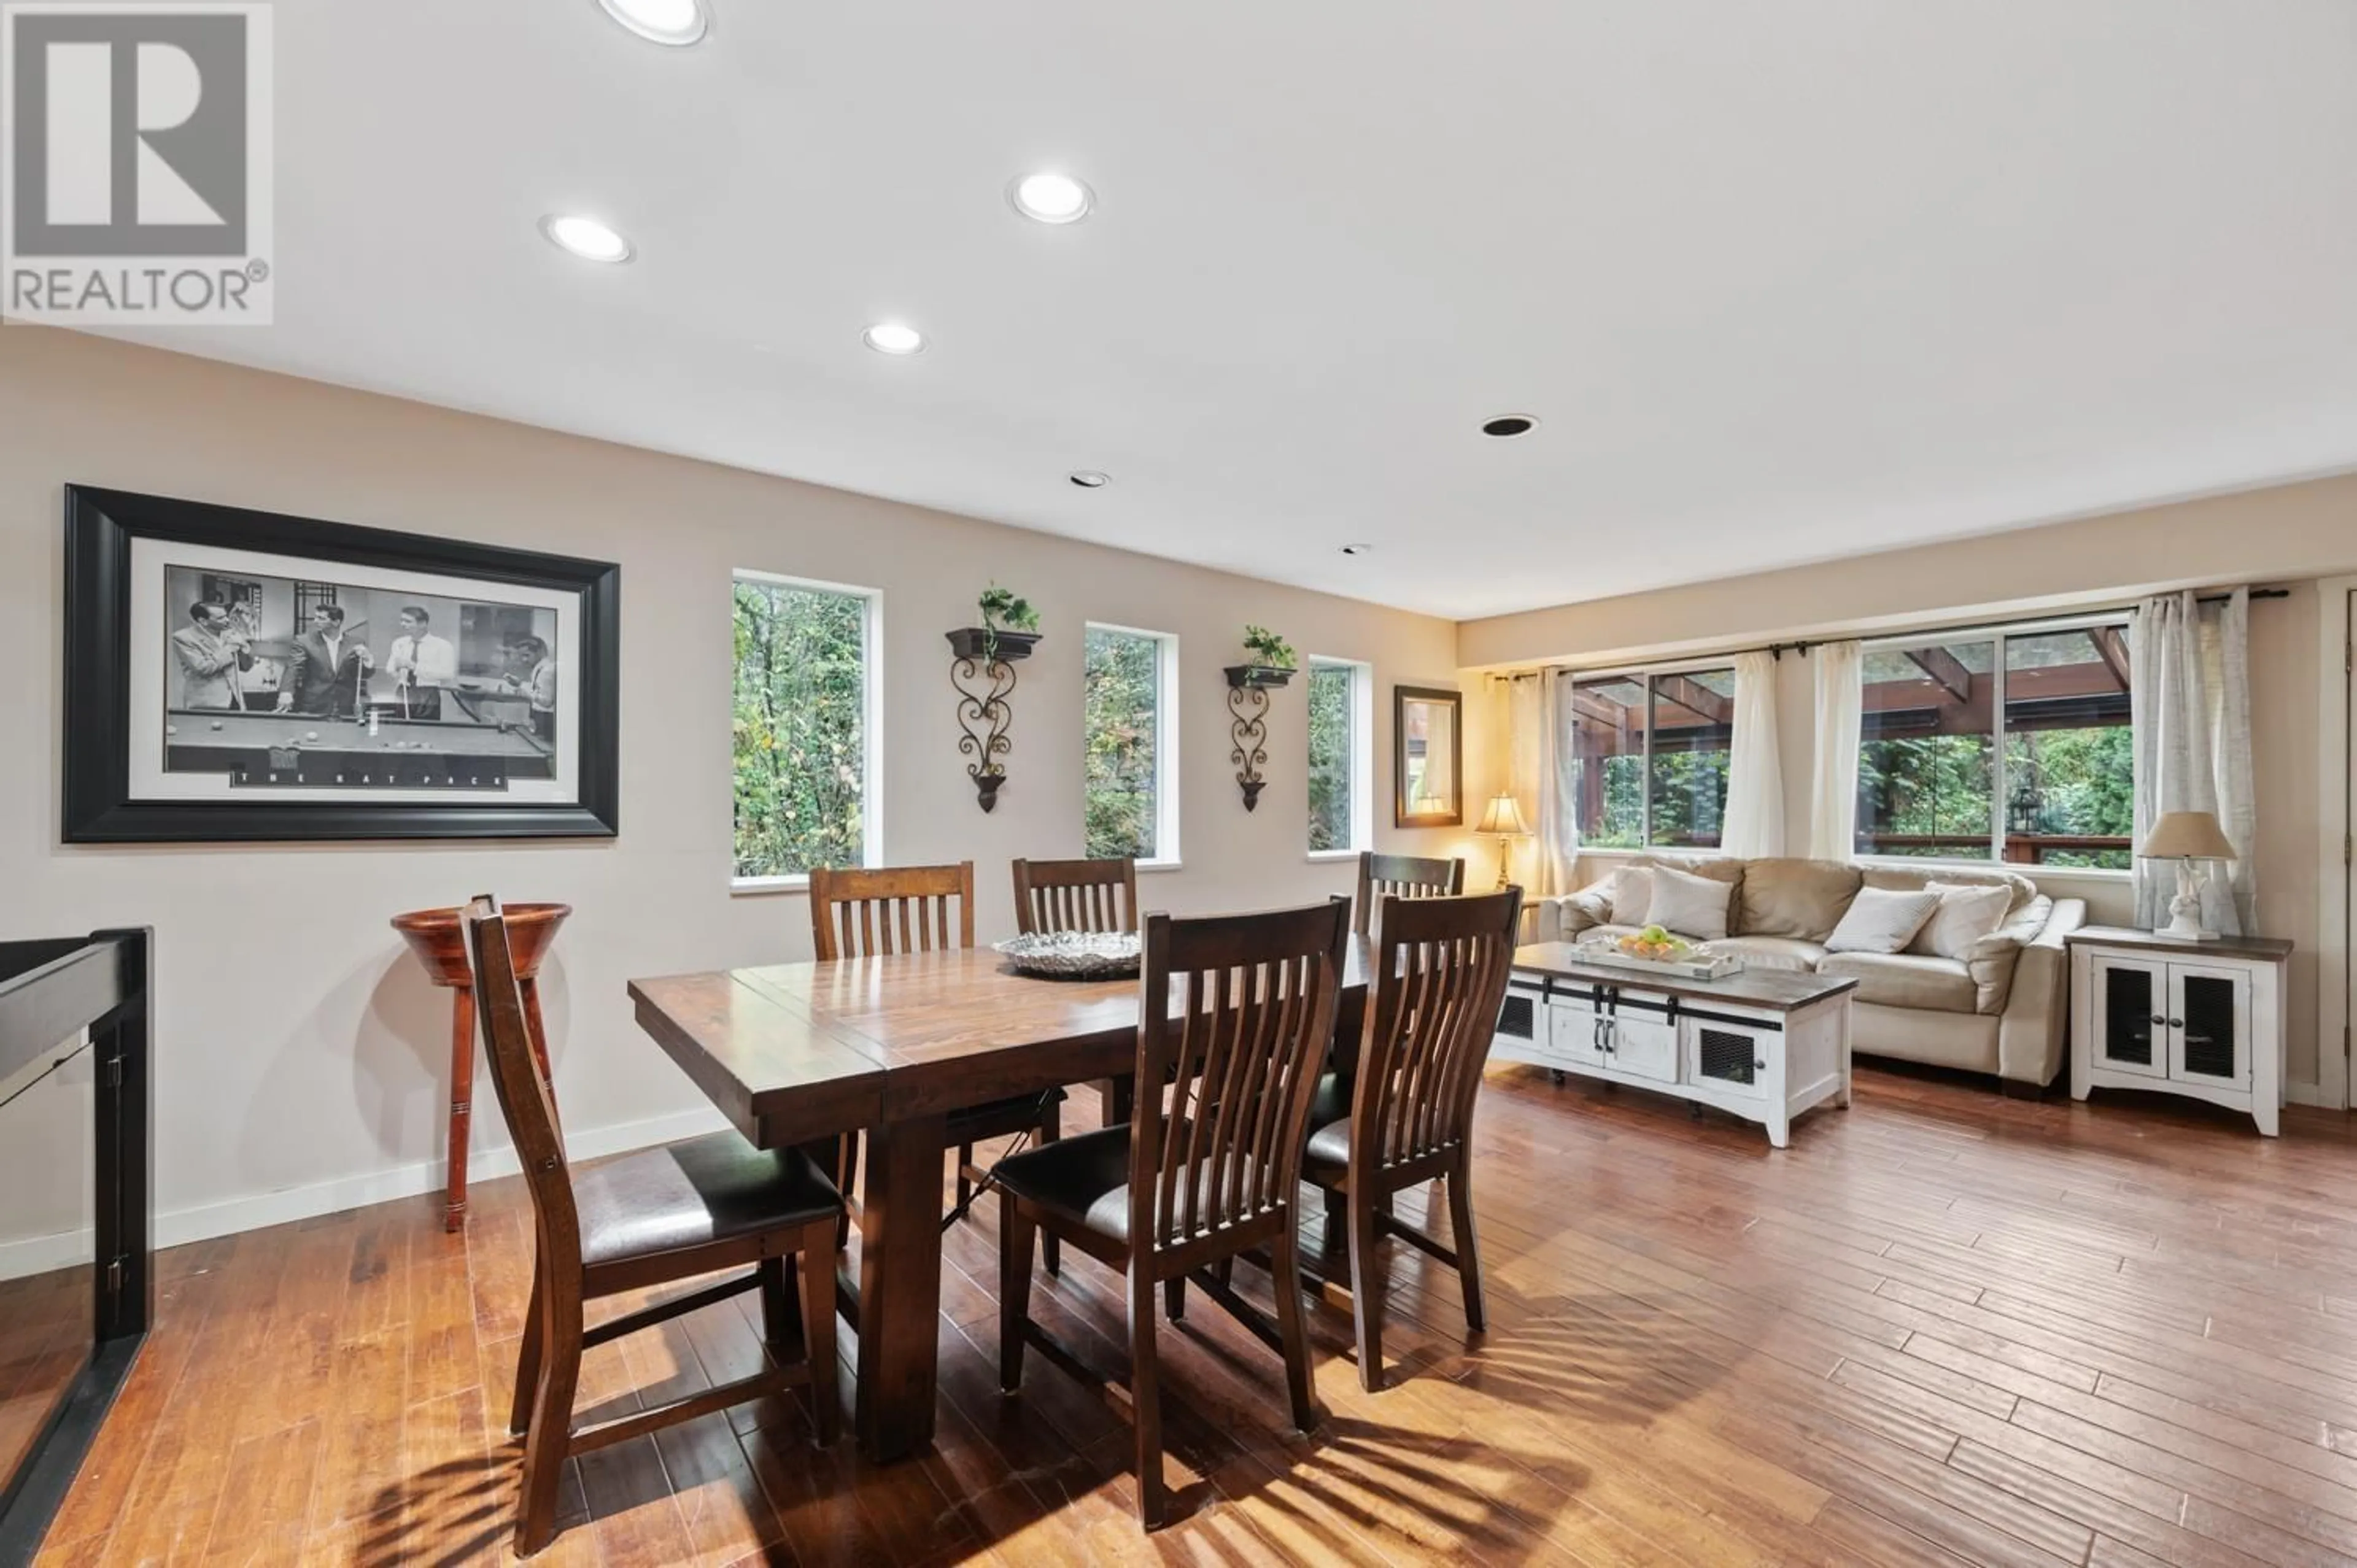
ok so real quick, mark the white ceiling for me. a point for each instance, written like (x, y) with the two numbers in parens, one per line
(1785, 279)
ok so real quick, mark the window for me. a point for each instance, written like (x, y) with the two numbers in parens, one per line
(1650, 751)
(1939, 775)
(1131, 802)
(1341, 756)
(805, 726)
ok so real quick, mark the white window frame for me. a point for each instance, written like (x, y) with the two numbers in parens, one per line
(1998, 635)
(1166, 854)
(1363, 756)
(1643, 675)
(871, 680)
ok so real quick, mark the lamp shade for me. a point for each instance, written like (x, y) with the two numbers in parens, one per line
(1503, 815)
(2186, 836)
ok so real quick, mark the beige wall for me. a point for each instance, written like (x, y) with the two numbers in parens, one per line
(2287, 536)
(300, 1053)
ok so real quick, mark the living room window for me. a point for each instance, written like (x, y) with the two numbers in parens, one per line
(1341, 699)
(2010, 746)
(806, 697)
(1649, 754)
(1130, 789)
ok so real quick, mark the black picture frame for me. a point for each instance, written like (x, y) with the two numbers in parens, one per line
(98, 804)
(1403, 815)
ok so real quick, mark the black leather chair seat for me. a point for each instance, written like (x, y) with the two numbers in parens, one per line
(686, 1195)
(1327, 1158)
(1084, 1178)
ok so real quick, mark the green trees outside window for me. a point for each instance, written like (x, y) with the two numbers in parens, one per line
(800, 728)
(1121, 682)
(1333, 753)
(1650, 757)
(1927, 777)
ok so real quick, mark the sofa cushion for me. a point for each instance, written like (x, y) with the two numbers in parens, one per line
(1907, 879)
(1694, 907)
(1882, 919)
(1906, 980)
(1794, 897)
(1966, 913)
(1629, 895)
(1792, 953)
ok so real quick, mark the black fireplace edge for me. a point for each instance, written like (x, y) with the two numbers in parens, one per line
(49, 991)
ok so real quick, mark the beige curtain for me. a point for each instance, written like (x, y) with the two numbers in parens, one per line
(2189, 707)
(1832, 809)
(1754, 824)
(1538, 773)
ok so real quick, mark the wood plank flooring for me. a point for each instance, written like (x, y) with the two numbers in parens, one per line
(1944, 1327)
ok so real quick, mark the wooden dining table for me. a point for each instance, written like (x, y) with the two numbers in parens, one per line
(793, 1053)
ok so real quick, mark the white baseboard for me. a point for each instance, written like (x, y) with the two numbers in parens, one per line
(38, 1254)
(202, 1223)
(2311, 1094)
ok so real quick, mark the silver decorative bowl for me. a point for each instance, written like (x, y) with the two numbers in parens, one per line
(1073, 955)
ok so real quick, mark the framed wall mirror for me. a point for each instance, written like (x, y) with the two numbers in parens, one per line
(1428, 758)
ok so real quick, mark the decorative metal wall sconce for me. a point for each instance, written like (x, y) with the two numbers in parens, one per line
(982, 673)
(1248, 689)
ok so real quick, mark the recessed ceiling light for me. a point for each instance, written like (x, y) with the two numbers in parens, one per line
(1507, 424)
(1090, 479)
(1051, 197)
(585, 238)
(894, 338)
(1356, 548)
(678, 23)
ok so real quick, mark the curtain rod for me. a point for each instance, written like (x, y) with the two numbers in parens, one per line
(1777, 651)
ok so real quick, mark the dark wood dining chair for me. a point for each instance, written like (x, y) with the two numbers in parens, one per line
(1076, 895)
(629, 1224)
(858, 913)
(1440, 969)
(1215, 1173)
(1081, 895)
(1403, 876)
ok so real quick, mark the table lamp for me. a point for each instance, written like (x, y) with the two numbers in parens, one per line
(1503, 819)
(2191, 839)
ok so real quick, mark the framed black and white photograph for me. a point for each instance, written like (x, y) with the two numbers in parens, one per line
(244, 675)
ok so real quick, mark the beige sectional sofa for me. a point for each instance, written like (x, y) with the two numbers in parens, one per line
(2002, 1011)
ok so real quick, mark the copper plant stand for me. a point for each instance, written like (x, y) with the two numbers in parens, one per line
(438, 939)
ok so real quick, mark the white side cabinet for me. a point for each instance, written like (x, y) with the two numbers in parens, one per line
(2202, 1019)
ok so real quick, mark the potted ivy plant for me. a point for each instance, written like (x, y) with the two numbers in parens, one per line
(1009, 629)
(1268, 659)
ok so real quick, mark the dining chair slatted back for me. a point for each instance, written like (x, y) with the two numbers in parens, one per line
(1076, 895)
(1440, 967)
(871, 913)
(1257, 997)
(1403, 876)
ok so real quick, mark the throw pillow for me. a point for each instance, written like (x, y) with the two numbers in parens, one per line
(1882, 921)
(1633, 895)
(1692, 907)
(1968, 912)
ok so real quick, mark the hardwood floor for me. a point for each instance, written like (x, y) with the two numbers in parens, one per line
(1944, 1327)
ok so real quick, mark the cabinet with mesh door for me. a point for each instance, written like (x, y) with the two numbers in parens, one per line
(1763, 1046)
(2202, 1019)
